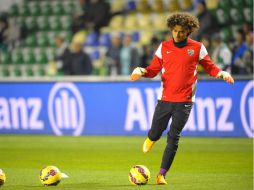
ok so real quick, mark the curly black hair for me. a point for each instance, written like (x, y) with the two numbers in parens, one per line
(186, 20)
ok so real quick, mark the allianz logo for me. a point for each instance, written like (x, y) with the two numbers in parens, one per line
(247, 103)
(66, 112)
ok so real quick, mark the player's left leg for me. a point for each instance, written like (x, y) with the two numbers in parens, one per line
(161, 117)
(180, 116)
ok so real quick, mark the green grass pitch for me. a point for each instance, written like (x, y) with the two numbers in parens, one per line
(104, 162)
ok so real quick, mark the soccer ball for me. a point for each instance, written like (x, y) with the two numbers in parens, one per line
(139, 175)
(51, 176)
(2, 177)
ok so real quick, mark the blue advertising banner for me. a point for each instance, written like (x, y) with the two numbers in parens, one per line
(120, 108)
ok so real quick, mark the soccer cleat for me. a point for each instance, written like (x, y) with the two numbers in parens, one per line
(160, 180)
(148, 144)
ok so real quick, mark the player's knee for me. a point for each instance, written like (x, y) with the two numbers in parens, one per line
(154, 136)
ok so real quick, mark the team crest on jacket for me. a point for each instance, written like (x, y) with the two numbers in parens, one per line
(190, 52)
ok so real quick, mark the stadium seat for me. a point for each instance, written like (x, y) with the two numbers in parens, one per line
(225, 4)
(24, 10)
(222, 17)
(5, 58)
(211, 4)
(248, 14)
(157, 6)
(144, 21)
(14, 11)
(40, 57)
(143, 6)
(57, 8)
(104, 39)
(135, 36)
(159, 22)
(173, 6)
(226, 34)
(34, 9)
(67, 35)
(17, 57)
(45, 9)
(31, 23)
(145, 37)
(41, 72)
(130, 22)
(50, 53)
(66, 22)
(236, 16)
(51, 37)
(92, 39)
(43, 23)
(95, 55)
(117, 5)
(4, 72)
(131, 5)
(30, 41)
(237, 3)
(186, 5)
(28, 57)
(17, 72)
(20, 21)
(249, 3)
(42, 40)
(55, 23)
(116, 23)
(29, 72)
(70, 6)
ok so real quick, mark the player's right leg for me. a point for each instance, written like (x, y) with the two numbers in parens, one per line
(161, 117)
(180, 116)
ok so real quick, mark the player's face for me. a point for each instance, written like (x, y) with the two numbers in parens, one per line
(179, 34)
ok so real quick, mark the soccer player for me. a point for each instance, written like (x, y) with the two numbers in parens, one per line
(177, 60)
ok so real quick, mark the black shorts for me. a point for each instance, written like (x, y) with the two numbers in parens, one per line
(178, 111)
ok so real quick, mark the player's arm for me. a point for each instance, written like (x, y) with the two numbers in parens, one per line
(149, 72)
(226, 76)
(152, 70)
(137, 73)
(211, 68)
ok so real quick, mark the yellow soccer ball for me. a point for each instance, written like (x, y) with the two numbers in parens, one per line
(139, 175)
(51, 176)
(2, 177)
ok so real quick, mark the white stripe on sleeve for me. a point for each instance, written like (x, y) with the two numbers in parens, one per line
(203, 52)
(158, 52)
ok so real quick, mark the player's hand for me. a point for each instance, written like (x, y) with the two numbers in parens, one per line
(137, 73)
(226, 76)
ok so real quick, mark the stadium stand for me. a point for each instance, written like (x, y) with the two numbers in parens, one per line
(41, 21)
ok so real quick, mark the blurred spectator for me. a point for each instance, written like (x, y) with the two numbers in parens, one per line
(207, 22)
(168, 35)
(207, 43)
(247, 27)
(112, 59)
(221, 55)
(129, 56)
(79, 62)
(96, 14)
(148, 51)
(4, 25)
(62, 56)
(238, 45)
(243, 57)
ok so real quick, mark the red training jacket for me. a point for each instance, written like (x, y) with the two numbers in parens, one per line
(179, 69)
